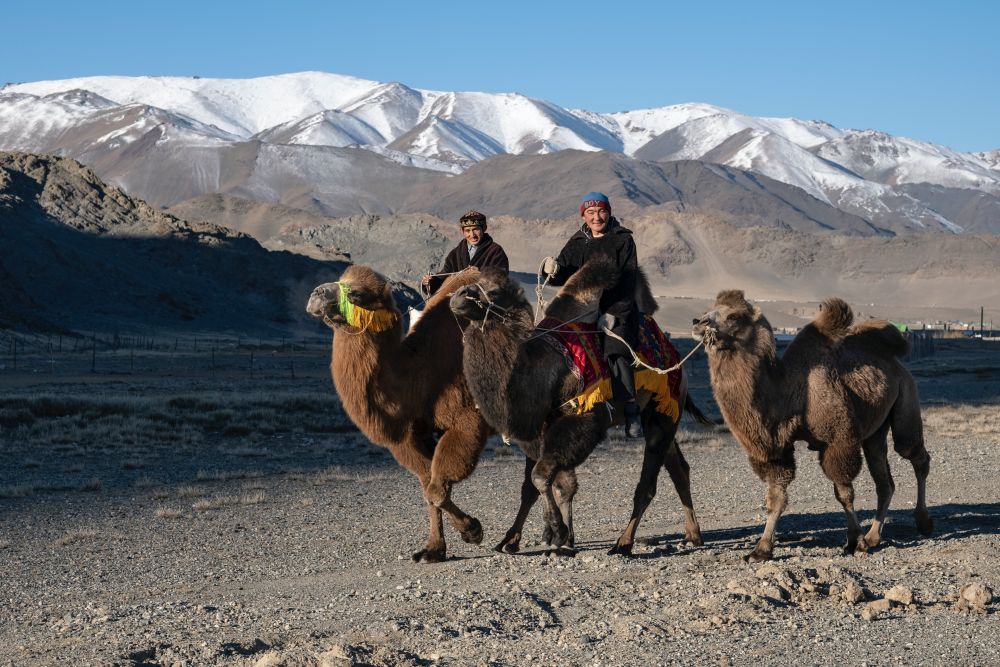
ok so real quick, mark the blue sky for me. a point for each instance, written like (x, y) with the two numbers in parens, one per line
(922, 70)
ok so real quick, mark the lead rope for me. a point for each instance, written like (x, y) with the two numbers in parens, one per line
(636, 361)
(539, 286)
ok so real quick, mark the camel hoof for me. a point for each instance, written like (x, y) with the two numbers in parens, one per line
(621, 550)
(851, 547)
(758, 555)
(694, 540)
(924, 523)
(435, 555)
(508, 547)
(868, 542)
(560, 536)
(474, 533)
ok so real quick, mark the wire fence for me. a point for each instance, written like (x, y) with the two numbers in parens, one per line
(118, 353)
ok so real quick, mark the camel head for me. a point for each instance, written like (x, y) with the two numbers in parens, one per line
(361, 298)
(493, 295)
(733, 323)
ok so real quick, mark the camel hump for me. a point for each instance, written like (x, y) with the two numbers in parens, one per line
(835, 318)
(734, 298)
(880, 334)
(599, 272)
(644, 295)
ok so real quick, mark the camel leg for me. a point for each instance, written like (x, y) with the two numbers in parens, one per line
(564, 485)
(841, 462)
(569, 440)
(876, 449)
(413, 459)
(908, 441)
(511, 542)
(680, 475)
(455, 457)
(555, 533)
(658, 433)
(777, 474)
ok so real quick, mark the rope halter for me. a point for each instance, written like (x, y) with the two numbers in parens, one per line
(488, 305)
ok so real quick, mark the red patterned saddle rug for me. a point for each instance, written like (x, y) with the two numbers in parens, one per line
(581, 346)
(656, 350)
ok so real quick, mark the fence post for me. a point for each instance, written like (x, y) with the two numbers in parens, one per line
(93, 352)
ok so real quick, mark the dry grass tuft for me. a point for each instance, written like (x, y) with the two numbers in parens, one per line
(146, 482)
(188, 491)
(92, 485)
(225, 475)
(307, 502)
(167, 513)
(16, 490)
(76, 536)
(339, 474)
(962, 420)
(253, 498)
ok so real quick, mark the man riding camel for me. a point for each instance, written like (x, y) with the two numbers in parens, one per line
(477, 250)
(601, 233)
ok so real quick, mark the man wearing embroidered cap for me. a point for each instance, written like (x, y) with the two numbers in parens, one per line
(601, 233)
(477, 250)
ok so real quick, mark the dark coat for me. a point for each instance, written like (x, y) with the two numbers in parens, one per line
(616, 243)
(488, 253)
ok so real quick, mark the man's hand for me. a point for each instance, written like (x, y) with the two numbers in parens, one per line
(426, 280)
(550, 266)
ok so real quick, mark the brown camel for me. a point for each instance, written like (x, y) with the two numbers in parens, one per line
(407, 394)
(839, 387)
(523, 386)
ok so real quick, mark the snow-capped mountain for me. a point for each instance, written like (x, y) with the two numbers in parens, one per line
(107, 118)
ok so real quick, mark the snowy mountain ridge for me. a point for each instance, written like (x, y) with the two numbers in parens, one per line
(855, 170)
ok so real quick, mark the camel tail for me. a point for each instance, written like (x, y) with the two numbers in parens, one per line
(698, 415)
(835, 318)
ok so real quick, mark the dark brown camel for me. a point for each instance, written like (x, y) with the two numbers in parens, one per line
(839, 387)
(407, 394)
(522, 385)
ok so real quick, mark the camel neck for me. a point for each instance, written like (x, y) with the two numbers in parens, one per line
(755, 400)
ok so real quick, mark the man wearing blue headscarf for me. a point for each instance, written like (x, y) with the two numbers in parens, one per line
(601, 233)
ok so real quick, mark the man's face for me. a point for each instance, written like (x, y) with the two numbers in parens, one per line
(596, 219)
(473, 234)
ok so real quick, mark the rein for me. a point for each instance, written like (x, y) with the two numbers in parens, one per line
(539, 287)
(637, 362)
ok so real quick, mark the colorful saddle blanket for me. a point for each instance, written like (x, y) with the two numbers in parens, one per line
(580, 344)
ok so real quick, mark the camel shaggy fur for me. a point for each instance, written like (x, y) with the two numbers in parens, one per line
(840, 387)
(407, 394)
(523, 385)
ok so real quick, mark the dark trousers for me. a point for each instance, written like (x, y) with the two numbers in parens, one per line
(622, 378)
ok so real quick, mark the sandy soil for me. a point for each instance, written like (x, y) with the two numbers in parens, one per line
(292, 548)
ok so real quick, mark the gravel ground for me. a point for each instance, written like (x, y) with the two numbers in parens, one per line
(309, 565)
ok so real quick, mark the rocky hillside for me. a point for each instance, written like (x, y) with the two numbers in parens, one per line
(77, 254)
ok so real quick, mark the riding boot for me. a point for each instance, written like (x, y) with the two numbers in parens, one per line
(623, 388)
(633, 421)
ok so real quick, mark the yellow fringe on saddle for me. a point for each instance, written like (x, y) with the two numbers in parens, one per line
(364, 319)
(596, 393)
(657, 385)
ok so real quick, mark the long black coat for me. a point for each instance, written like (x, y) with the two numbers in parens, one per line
(488, 253)
(618, 244)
